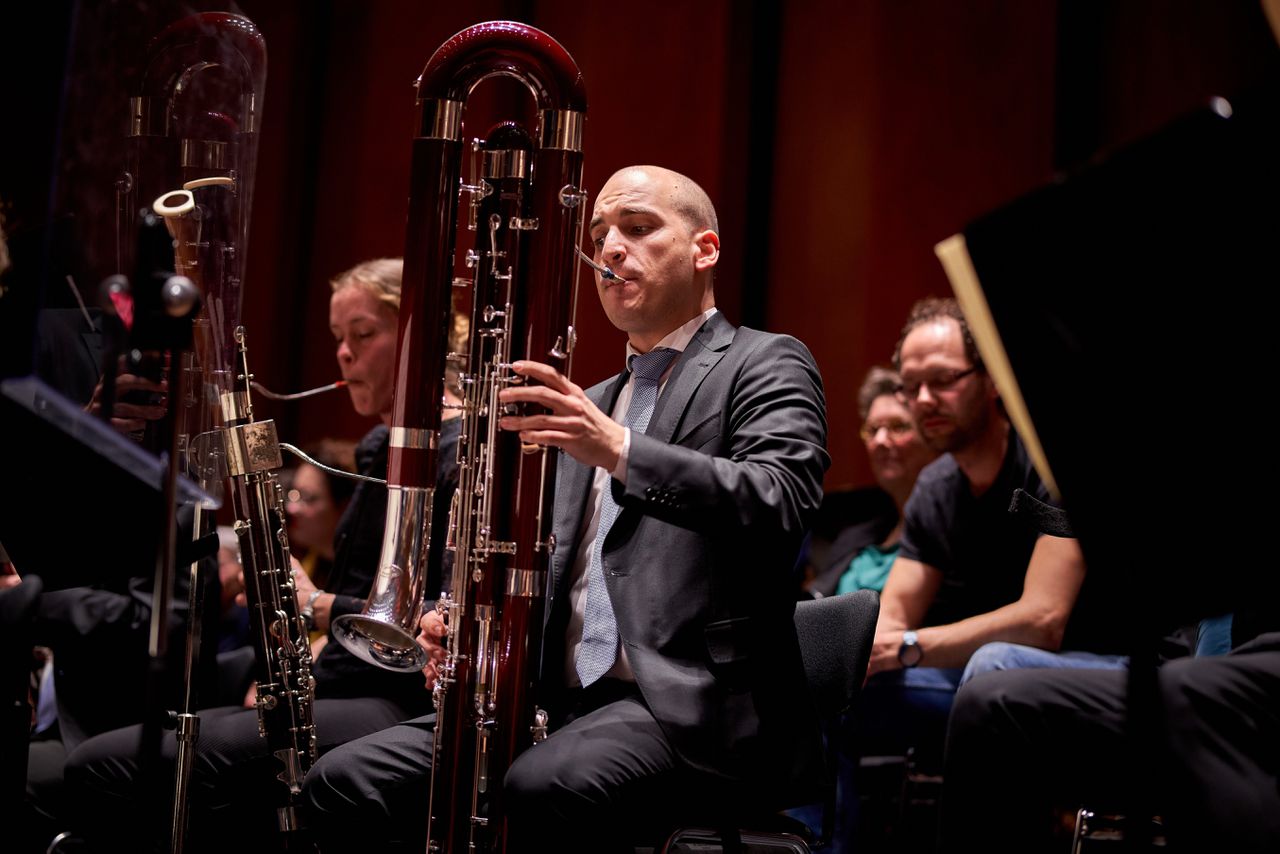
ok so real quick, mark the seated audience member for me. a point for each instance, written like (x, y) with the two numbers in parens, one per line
(233, 625)
(1023, 742)
(234, 781)
(670, 670)
(859, 557)
(968, 573)
(314, 503)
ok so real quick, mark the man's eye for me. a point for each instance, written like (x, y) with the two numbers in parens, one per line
(641, 229)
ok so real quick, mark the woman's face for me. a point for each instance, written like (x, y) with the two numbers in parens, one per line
(365, 331)
(894, 445)
(313, 517)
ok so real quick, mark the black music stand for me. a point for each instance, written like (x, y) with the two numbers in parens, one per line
(1136, 303)
(81, 504)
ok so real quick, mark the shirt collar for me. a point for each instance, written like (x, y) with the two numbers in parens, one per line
(679, 338)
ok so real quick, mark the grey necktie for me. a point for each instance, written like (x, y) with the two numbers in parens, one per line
(599, 647)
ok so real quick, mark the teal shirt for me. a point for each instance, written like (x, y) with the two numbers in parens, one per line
(868, 570)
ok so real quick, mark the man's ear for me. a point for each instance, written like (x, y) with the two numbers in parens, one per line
(992, 393)
(706, 245)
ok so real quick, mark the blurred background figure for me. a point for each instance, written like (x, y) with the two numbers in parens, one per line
(864, 538)
(315, 501)
(233, 624)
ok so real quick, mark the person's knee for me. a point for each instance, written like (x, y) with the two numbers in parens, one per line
(988, 701)
(527, 784)
(332, 788)
(95, 768)
(992, 657)
(535, 786)
(1179, 689)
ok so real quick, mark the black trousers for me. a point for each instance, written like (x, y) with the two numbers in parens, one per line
(233, 782)
(1022, 741)
(599, 783)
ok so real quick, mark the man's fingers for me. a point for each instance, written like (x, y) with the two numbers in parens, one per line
(133, 382)
(540, 394)
(544, 374)
(128, 425)
(138, 411)
(553, 438)
(432, 624)
(537, 422)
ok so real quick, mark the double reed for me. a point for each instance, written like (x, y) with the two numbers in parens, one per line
(525, 208)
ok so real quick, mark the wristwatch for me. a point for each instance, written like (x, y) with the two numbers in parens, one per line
(308, 612)
(911, 652)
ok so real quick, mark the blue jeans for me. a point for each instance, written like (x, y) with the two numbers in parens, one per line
(1014, 656)
(903, 709)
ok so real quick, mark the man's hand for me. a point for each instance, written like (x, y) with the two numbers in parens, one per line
(322, 607)
(575, 424)
(431, 633)
(884, 652)
(301, 580)
(131, 418)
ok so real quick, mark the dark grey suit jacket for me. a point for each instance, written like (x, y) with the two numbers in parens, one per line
(698, 565)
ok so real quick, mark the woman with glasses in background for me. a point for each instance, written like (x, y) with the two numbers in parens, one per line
(860, 555)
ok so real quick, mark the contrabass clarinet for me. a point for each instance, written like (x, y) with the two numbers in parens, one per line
(525, 208)
(195, 126)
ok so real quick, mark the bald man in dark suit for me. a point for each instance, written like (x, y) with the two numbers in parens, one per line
(670, 659)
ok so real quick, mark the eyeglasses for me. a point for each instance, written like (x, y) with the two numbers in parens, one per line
(896, 429)
(297, 496)
(941, 381)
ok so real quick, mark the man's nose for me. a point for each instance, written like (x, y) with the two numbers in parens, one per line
(344, 353)
(924, 397)
(614, 248)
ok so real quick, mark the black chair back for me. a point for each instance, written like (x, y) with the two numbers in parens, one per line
(835, 634)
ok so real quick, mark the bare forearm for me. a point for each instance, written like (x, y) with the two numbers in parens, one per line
(1021, 622)
(1038, 618)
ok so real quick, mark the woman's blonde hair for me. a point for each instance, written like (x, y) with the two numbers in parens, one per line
(380, 277)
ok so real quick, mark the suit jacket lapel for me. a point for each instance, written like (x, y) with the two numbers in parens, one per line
(705, 349)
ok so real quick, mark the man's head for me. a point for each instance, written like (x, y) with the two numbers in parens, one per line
(944, 383)
(657, 230)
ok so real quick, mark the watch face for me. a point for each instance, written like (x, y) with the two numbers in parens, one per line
(910, 653)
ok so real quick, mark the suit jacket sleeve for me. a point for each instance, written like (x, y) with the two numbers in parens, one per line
(755, 464)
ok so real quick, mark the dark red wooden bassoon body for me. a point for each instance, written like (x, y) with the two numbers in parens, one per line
(525, 207)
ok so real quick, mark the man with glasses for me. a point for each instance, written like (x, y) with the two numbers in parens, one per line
(968, 573)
